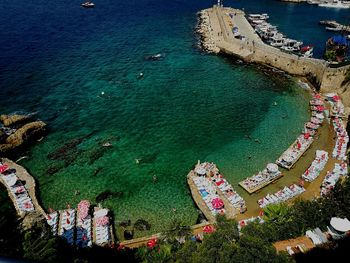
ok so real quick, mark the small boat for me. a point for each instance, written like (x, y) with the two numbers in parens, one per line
(88, 4)
(335, 4)
(336, 29)
(307, 51)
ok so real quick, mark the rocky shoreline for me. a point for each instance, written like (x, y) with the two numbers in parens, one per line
(205, 31)
(16, 130)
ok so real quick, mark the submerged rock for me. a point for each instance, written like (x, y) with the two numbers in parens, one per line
(142, 225)
(107, 194)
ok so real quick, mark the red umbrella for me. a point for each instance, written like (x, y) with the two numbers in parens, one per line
(298, 145)
(320, 108)
(3, 168)
(317, 96)
(151, 243)
(336, 98)
(217, 203)
(261, 213)
(68, 222)
(307, 135)
(48, 217)
(67, 213)
(242, 223)
(208, 229)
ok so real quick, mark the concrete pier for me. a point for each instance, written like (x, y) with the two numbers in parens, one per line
(328, 77)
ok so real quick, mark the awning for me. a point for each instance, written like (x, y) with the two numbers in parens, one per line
(340, 224)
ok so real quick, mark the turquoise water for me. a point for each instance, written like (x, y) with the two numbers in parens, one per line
(78, 70)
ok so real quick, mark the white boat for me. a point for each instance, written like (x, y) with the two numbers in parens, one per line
(291, 45)
(277, 40)
(88, 5)
(336, 29)
(313, 2)
(335, 4)
(258, 16)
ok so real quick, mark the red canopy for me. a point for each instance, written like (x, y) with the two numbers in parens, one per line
(208, 229)
(217, 203)
(3, 168)
(320, 108)
(336, 98)
(151, 243)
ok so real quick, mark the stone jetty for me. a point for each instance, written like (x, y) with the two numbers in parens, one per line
(329, 77)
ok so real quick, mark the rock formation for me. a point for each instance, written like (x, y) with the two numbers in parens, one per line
(17, 130)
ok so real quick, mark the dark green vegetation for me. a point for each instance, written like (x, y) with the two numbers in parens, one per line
(255, 244)
(224, 245)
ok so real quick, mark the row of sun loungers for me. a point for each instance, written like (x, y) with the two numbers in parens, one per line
(337, 107)
(208, 193)
(102, 227)
(245, 222)
(84, 223)
(339, 151)
(18, 192)
(281, 196)
(263, 178)
(332, 177)
(303, 142)
(226, 188)
(316, 166)
(52, 221)
(65, 222)
(66, 225)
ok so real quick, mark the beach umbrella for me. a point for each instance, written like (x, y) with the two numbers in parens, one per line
(272, 167)
(101, 221)
(67, 221)
(49, 217)
(200, 171)
(298, 145)
(208, 229)
(3, 168)
(261, 213)
(306, 135)
(67, 213)
(320, 108)
(217, 203)
(336, 98)
(242, 223)
(151, 243)
(317, 96)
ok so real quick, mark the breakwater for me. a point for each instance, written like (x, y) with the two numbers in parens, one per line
(327, 77)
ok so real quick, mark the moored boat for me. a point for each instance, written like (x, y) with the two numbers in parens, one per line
(88, 4)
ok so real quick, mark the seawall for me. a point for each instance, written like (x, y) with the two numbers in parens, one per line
(252, 49)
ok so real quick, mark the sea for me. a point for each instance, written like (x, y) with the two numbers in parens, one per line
(79, 70)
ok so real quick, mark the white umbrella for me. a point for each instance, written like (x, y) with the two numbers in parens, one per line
(340, 224)
(272, 167)
(200, 170)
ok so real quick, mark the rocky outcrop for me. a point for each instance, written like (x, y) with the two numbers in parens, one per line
(204, 30)
(23, 134)
(10, 120)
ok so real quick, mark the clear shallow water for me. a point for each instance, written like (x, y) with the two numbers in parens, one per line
(56, 59)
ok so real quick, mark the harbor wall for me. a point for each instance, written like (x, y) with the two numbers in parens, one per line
(318, 71)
